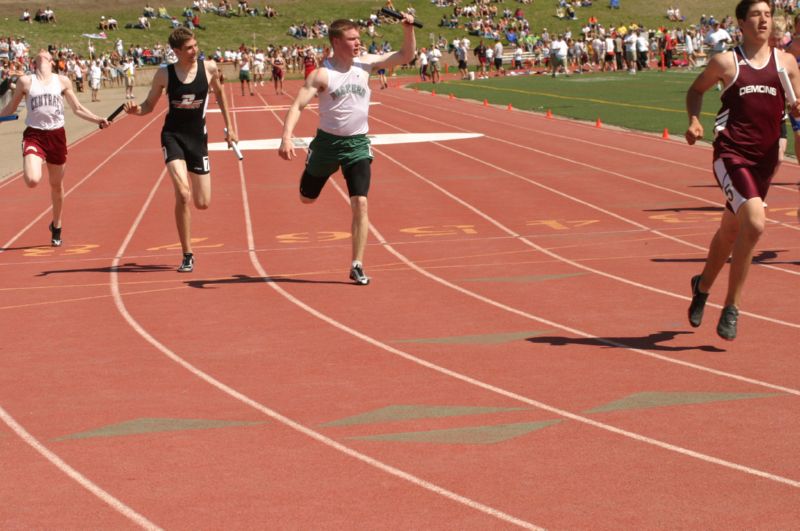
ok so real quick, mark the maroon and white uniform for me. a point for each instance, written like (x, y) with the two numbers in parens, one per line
(747, 130)
(44, 136)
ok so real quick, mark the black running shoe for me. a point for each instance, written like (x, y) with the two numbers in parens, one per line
(187, 266)
(357, 275)
(728, 319)
(55, 235)
(698, 302)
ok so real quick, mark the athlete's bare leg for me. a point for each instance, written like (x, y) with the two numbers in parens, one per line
(198, 192)
(55, 173)
(720, 250)
(360, 226)
(32, 170)
(736, 238)
(752, 221)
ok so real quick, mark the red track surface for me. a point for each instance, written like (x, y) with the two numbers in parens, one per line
(540, 271)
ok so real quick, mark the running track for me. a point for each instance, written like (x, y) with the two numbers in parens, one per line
(522, 357)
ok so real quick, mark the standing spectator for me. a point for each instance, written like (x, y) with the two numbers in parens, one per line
(433, 63)
(461, 58)
(558, 55)
(129, 72)
(498, 59)
(95, 78)
(642, 49)
(278, 71)
(423, 65)
(244, 72)
(480, 54)
(717, 40)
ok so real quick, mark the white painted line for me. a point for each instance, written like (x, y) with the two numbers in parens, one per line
(326, 441)
(594, 207)
(375, 140)
(566, 414)
(14, 238)
(79, 478)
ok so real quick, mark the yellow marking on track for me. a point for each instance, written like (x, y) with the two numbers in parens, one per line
(439, 230)
(177, 246)
(589, 100)
(307, 237)
(556, 224)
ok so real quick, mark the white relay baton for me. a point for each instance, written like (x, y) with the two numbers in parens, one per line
(791, 98)
(235, 147)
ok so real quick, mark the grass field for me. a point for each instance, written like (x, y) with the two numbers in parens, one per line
(81, 16)
(649, 101)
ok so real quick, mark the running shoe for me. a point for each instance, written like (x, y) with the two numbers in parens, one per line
(55, 235)
(187, 266)
(698, 302)
(728, 319)
(357, 275)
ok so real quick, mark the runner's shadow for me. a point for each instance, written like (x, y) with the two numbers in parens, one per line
(244, 279)
(124, 268)
(688, 209)
(763, 257)
(651, 342)
(27, 247)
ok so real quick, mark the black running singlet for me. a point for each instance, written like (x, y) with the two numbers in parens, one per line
(187, 102)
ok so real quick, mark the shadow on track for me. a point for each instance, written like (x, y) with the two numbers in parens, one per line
(244, 279)
(124, 268)
(650, 342)
(763, 257)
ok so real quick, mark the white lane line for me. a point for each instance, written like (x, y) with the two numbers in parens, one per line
(590, 205)
(627, 152)
(509, 394)
(286, 421)
(76, 476)
(78, 184)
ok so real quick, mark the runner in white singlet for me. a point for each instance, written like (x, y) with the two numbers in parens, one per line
(44, 140)
(342, 83)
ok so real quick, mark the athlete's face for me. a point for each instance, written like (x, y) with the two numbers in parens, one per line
(188, 52)
(348, 45)
(758, 22)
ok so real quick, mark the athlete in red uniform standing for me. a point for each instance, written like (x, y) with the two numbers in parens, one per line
(745, 151)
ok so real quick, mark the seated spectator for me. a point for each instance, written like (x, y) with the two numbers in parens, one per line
(26, 16)
(149, 11)
(162, 12)
(270, 12)
(49, 15)
(144, 23)
(103, 24)
(112, 23)
(174, 23)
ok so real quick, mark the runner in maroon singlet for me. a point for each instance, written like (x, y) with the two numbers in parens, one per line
(745, 151)
(44, 141)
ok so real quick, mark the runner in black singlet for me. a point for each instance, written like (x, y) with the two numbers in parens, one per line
(184, 137)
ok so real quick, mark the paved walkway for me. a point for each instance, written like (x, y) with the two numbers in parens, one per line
(11, 132)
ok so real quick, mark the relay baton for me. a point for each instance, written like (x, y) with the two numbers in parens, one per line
(235, 146)
(9, 118)
(787, 86)
(399, 16)
(115, 114)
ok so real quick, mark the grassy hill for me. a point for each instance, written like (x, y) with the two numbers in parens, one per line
(82, 16)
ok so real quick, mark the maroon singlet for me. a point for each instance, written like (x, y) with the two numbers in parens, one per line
(753, 105)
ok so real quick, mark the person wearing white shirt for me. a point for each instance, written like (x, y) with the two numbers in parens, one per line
(498, 58)
(718, 40)
(95, 77)
(558, 54)
(434, 55)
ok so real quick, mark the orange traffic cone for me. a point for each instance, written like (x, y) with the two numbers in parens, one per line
(549, 114)
(509, 107)
(598, 123)
(452, 96)
(433, 92)
(485, 103)
(665, 134)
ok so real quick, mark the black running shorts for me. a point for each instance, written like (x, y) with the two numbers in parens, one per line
(191, 148)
